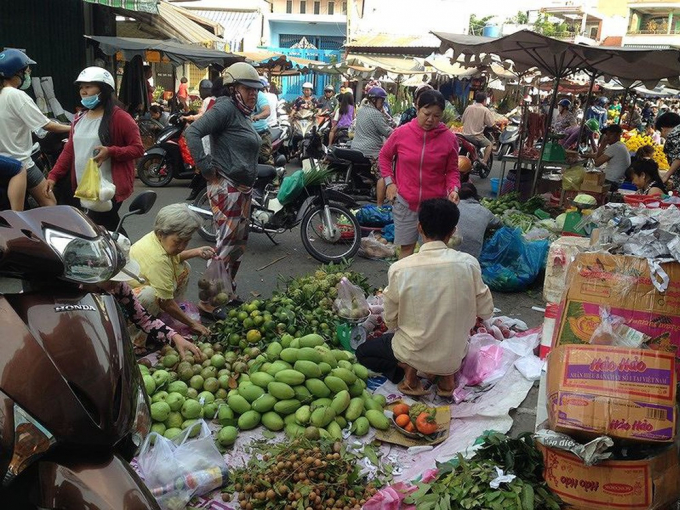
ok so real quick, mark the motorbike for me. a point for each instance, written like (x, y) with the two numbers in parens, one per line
(508, 141)
(329, 230)
(477, 155)
(164, 161)
(303, 122)
(74, 408)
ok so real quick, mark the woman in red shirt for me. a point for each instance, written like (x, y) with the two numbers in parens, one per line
(107, 130)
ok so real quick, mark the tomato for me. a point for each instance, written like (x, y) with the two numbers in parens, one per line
(410, 427)
(400, 409)
(426, 423)
(402, 420)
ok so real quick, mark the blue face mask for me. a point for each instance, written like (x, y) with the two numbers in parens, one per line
(90, 102)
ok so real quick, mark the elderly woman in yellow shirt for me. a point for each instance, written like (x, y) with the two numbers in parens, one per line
(162, 256)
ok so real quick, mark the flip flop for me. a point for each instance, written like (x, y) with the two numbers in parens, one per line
(412, 392)
(444, 393)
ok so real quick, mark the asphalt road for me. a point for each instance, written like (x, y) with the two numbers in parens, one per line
(266, 265)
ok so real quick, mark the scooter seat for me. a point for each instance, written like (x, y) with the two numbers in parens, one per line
(351, 155)
(470, 139)
(266, 172)
(276, 133)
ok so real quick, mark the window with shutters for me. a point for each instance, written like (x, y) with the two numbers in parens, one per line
(317, 7)
(289, 6)
(344, 7)
(303, 7)
(331, 8)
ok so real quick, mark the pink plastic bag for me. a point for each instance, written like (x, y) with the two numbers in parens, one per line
(486, 362)
(191, 310)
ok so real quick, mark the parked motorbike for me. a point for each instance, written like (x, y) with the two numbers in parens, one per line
(353, 172)
(164, 161)
(329, 230)
(477, 155)
(74, 409)
(508, 141)
(303, 122)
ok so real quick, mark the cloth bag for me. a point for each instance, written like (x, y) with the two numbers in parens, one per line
(177, 470)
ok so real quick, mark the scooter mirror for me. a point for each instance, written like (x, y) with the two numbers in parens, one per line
(143, 202)
(280, 160)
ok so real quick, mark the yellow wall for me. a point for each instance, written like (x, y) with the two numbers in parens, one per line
(613, 7)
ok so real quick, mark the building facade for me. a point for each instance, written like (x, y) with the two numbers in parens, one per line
(653, 24)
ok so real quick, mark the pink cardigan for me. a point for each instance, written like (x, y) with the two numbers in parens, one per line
(427, 162)
(126, 146)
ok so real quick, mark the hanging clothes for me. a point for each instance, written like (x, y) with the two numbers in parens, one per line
(133, 88)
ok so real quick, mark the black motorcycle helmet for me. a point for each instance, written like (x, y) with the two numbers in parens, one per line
(205, 88)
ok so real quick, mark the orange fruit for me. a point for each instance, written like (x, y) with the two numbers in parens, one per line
(410, 427)
(402, 420)
(400, 409)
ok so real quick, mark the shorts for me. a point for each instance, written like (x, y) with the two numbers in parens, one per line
(480, 140)
(405, 223)
(34, 176)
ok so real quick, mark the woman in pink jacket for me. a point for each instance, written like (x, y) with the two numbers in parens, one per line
(426, 155)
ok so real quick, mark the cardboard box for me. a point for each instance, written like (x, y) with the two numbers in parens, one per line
(562, 253)
(596, 390)
(646, 484)
(595, 178)
(589, 187)
(624, 284)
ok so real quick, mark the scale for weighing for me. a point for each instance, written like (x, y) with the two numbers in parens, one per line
(351, 333)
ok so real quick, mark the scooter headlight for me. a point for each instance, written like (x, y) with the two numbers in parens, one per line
(142, 423)
(31, 440)
(85, 260)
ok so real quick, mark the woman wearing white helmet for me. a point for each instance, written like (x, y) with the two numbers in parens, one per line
(19, 116)
(306, 100)
(109, 131)
(231, 166)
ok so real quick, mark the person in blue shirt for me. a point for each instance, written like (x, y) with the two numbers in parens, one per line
(598, 111)
(260, 124)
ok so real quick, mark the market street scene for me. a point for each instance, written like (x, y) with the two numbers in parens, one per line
(320, 254)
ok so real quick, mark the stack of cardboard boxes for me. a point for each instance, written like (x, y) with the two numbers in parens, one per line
(593, 184)
(618, 379)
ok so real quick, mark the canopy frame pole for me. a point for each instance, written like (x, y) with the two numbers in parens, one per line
(585, 108)
(548, 122)
(623, 104)
(522, 127)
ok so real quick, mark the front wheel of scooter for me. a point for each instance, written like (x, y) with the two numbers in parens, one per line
(330, 233)
(208, 228)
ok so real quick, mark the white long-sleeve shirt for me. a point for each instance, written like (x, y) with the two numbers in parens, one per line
(432, 300)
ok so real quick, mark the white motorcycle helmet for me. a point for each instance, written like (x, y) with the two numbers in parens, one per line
(307, 85)
(96, 74)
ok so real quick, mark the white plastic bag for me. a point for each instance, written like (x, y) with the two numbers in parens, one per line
(351, 302)
(177, 470)
(107, 190)
(97, 205)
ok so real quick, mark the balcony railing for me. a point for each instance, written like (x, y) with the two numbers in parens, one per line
(657, 31)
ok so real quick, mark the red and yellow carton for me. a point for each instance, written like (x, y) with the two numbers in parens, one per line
(624, 284)
(623, 393)
(646, 484)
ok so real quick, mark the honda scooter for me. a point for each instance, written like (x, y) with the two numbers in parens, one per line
(508, 141)
(73, 409)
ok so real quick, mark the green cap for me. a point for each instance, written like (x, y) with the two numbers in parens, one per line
(593, 125)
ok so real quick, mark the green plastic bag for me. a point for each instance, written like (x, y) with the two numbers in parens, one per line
(291, 187)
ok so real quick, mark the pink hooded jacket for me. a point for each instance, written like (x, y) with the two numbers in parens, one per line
(427, 162)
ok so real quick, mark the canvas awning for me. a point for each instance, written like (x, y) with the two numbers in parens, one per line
(277, 63)
(235, 23)
(150, 6)
(175, 52)
(181, 24)
(443, 66)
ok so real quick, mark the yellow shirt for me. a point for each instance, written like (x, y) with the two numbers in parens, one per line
(432, 300)
(159, 269)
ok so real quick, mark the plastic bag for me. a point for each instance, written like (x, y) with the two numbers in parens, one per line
(90, 182)
(388, 232)
(373, 216)
(291, 187)
(374, 249)
(572, 178)
(107, 190)
(177, 470)
(190, 310)
(510, 263)
(485, 363)
(215, 287)
(96, 205)
(351, 302)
